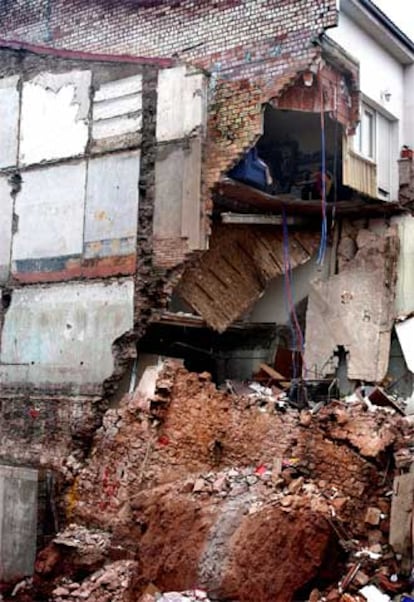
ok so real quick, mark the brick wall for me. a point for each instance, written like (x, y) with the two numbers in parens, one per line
(231, 31)
(253, 49)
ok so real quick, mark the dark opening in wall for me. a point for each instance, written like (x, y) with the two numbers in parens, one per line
(235, 354)
(288, 157)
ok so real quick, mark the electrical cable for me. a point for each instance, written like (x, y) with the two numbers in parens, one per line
(324, 226)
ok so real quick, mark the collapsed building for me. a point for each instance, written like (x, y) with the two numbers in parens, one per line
(183, 185)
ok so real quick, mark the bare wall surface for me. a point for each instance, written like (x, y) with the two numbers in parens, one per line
(18, 522)
(54, 116)
(64, 333)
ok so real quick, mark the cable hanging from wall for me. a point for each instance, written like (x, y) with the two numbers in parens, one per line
(324, 223)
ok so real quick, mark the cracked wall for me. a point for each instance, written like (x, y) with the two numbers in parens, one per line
(78, 189)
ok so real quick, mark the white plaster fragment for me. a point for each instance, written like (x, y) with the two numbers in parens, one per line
(117, 106)
(116, 126)
(118, 88)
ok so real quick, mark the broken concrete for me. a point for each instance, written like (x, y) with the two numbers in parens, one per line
(354, 309)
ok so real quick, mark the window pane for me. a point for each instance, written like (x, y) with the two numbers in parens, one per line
(367, 134)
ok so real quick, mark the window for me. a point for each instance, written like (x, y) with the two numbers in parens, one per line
(364, 142)
(374, 141)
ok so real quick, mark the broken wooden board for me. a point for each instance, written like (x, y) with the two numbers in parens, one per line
(230, 277)
(244, 196)
(400, 537)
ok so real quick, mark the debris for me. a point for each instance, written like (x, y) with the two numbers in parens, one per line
(373, 516)
(373, 594)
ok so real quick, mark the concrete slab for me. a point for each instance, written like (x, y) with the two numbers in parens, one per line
(18, 522)
(9, 120)
(111, 213)
(6, 223)
(54, 116)
(400, 537)
(181, 104)
(50, 209)
(63, 333)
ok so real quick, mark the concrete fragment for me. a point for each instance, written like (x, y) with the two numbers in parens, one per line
(373, 594)
(373, 516)
(400, 536)
(354, 309)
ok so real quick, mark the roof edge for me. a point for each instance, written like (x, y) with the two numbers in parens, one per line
(65, 53)
(376, 23)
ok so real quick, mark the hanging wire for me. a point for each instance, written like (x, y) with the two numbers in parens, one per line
(335, 164)
(324, 226)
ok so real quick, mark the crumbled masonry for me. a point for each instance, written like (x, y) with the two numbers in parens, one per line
(195, 489)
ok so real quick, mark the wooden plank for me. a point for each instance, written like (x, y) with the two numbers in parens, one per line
(248, 197)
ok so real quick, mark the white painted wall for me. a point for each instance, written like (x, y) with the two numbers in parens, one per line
(54, 116)
(181, 103)
(408, 134)
(379, 71)
(50, 209)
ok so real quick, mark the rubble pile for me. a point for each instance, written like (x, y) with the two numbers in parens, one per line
(113, 583)
(233, 495)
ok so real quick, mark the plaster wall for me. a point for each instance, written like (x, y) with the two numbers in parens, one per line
(50, 209)
(63, 333)
(112, 205)
(54, 116)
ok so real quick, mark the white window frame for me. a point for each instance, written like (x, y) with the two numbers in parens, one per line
(366, 138)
